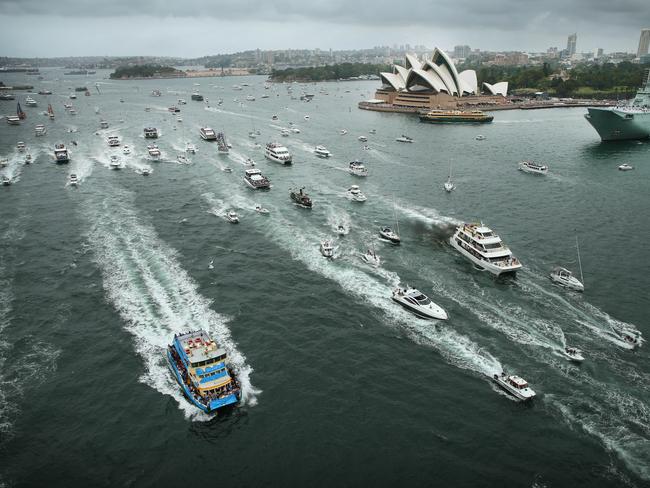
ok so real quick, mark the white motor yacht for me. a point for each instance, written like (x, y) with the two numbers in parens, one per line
(390, 235)
(343, 132)
(480, 137)
(355, 194)
(625, 167)
(115, 163)
(262, 210)
(103, 124)
(40, 130)
(232, 217)
(363, 138)
(256, 180)
(30, 102)
(516, 386)
(573, 354)
(21, 146)
(151, 133)
(284, 132)
(113, 141)
(278, 153)
(190, 148)
(534, 168)
(73, 180)
(4, 162)
(6, 181)
(484, 248)
(564, 277)
(28, 158)
(154, 152)
(357, 168)
(418, 303)
(326, 248)
(126, 149)
(322, 152)
(146, 171)
(371, 257)
(404, 138)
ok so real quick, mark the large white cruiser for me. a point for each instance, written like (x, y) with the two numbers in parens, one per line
(278, 153)
(484, 248)
(207, 134)
(418, 303)
(256, 180)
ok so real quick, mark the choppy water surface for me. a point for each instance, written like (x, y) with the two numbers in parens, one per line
(341, 386)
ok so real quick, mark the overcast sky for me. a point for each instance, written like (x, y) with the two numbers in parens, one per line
(192, 28)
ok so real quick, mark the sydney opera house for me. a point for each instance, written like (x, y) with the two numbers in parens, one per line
(434, 84)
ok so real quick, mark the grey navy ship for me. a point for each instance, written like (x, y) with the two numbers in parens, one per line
(621, 123)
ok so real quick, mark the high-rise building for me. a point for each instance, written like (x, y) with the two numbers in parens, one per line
(644, 43)
(571, 44)
(461, 52)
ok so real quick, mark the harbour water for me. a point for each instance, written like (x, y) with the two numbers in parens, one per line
(341, 385)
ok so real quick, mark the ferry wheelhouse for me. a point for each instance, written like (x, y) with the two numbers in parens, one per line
(151, 133)
(201, 368)
(278, 153)
(484, 248)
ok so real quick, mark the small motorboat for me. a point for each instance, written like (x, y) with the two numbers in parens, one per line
(154, 152)
(227, 169)
(625, 167)
(284, 132)
(4, 162)
(295, 130)
(21, 146)
(363, 138)
(306, 117)
(355, 194)
(126, 150)
(417, 302)
(388, 234)
(274, 117)
(573, 354)
(516, 386)
(480, 137)
(326, 248)
(28, 158)
(343, 132)
(322, 152)
(564, 277)
(181, 158)
(73, 180)
(146, 171)
(404, 138)
(262, 210)
(190, 148)
(372, 131)
(341, 230)
(115, 163)
(357, 168)
(232, 217)
(252, 134)
(533, 168)
(371, 257)
(249, 162)
(6, 181)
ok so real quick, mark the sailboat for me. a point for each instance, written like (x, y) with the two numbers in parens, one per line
(50, 111)
(389, 234)
(19, 112)
(564, 277)
(449, 185)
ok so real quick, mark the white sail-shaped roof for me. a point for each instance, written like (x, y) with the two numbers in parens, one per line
(420, 80)
(402, 72)
(412, 62)
(392, 80)
(468, 81)
(443, 74)
(441, 59)
(500, 88)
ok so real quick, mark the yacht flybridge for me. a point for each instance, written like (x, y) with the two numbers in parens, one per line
(256, 180)
(278, 153)
(418, 303)
(484, 248)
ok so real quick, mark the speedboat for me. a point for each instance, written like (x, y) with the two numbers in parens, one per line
(30, 102)
(274, 117)
(126, 149)
(61, 153)
(326, 248)
(573, 354)
(226, 169)
(564, 277)
(484, 249)
(355, 194)
(249, 162)
(372, 131)
(21, 146)
(6, 181)
(73, 180)
(182, 101)
(363, 138)
(103, 124)
(404, 138)
(13, 119)
(232, 217)
(480, 137)
(301, 198)
(449, 185)
(113, 141)
(256, 180)
(252, 134)
(322, 152)
(115, 163)
(418, 303)
(534, 168)
(189, 148)
(295, 130)
(40, 130)
(343, 132)
(371, 257)
(341, 230)
(625, 167)
(181, 158)
(173, 109)
(629, 338)
(516, 386)
(250, 98)
(357, 168)
(306, 117)
(28, 158)
(262, 210)
(154, 152)
(388, 234)
(284, 132)
(278, 153)
(202, 370)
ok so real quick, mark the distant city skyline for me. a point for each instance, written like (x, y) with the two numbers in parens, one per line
(193, 29)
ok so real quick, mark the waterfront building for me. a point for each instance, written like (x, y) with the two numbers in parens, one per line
(644, 43)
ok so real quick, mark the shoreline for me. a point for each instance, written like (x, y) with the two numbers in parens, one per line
(373, 107)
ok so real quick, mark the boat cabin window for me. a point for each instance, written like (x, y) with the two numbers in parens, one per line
(495, 245)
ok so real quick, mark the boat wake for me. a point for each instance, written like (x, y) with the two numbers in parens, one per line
(153, 294)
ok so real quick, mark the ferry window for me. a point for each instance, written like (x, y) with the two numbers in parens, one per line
(495, 245)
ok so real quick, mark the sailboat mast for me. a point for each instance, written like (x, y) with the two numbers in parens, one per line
(395, 214)
(579, 262)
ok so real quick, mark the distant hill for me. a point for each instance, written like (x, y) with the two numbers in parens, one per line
(331, 72)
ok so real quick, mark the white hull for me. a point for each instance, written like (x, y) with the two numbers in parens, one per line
(484, 265)
(432, 311)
